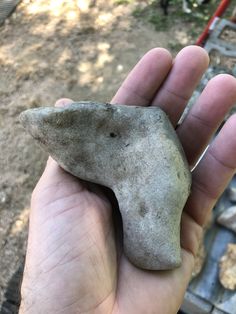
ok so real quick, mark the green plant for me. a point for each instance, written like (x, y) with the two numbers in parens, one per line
(120, 2)
(194, 21)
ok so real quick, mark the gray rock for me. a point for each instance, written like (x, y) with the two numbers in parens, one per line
(231, 192)
(135, 152)
(6, 8)
(228, 218)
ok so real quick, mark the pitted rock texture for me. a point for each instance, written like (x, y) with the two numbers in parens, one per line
(227, 274)
(135, 152)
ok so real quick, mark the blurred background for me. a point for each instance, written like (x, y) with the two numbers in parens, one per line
(81, 50)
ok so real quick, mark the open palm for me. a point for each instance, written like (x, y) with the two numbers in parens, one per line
(75, 262)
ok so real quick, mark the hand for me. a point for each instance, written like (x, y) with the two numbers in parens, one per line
(74, 260)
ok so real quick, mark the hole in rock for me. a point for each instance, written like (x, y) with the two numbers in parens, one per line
(112, 134)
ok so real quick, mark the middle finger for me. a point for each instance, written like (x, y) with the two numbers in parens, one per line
(189, 66)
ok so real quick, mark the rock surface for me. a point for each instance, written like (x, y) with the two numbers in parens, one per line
(135, 152)
(201, 253)
(228, 268)
(228, 218)
(199, 258)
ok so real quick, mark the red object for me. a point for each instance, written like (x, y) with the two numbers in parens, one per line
(211, 24)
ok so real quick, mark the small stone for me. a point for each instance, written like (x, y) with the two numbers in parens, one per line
(201, 253)
(3, 197)
(199, 259)
(231, 192)
(135, 152)
(43, 65)
(227, 265)
(228, 218)
(120, 68)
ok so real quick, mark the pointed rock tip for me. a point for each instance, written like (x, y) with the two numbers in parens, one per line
(25, 117)
(33, 115)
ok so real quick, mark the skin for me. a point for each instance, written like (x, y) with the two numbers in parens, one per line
(74, 261)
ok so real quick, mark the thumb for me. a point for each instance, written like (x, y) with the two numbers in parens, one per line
(54, 176)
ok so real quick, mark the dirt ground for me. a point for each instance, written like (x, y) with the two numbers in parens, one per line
(48, 50)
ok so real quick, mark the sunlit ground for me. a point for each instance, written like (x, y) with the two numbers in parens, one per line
(21, 222)
(59, 20)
